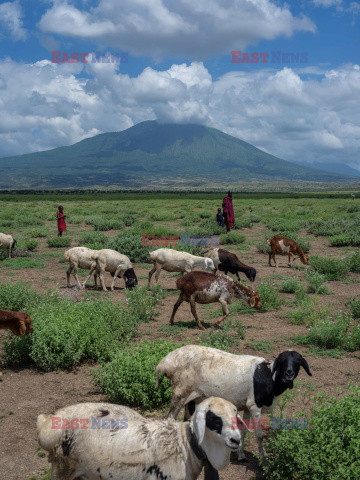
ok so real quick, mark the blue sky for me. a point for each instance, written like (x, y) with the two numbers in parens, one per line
(179, 69)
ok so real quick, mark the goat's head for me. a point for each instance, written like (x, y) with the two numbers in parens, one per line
(287, 366)
(215, 426)
(13, 243)
(131, 278)
(305, 259)
(251, 274)
(209, 265)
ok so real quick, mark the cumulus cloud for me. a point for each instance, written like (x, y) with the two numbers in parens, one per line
(11, 20)
(293, 116)
(160, 28)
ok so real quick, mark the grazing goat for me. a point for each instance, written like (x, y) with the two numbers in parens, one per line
(203, 287)
(103, 440)
(79, 257)
(228, 262)
(285, 246)
(175, 261)
(117, 264)
(248, 382)
(18, 322)
(7, 242)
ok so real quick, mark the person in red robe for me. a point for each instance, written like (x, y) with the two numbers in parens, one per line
(228, 212)
(61, 220)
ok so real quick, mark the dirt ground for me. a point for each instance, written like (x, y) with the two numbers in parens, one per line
(26, 393)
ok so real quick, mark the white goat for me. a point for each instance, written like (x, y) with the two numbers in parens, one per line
(175, 261)
(80, 257)
(7, 242)
(246, 381)
(107, 260)
(101, 440)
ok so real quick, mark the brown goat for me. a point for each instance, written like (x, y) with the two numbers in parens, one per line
(18, 322)
(286, 246)
(202, 287)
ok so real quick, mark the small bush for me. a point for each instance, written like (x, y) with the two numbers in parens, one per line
(38, 233)
(354, 262)
(23, 262)
(315, 283)
(341, 240)
(231, 238)
(130, 376)
(332, 268)
(217, 339)
(354, 305)
(263, 247)
(290, 285)
(326, 450)
(18, 297)
(269, 296)
(88, 239)
(31, 244)
(128, 218)
(131, 245)
(59, 242)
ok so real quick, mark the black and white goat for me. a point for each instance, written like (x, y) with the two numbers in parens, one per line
(249, 382)
(226, 262)
(102, 440)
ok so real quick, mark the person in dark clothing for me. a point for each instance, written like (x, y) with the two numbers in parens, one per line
(228, 211)
(220, 218)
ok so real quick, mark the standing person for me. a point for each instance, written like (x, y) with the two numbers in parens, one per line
(228, 210)
(220, 218)
(61, 220)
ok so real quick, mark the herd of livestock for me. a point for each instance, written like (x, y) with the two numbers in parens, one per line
(106, 441)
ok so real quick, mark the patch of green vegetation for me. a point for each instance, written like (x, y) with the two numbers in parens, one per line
(22, 262)
(266, 346)
(59, 242)
(326, 450)
(129, 378)
(332, 268)
(234, 238)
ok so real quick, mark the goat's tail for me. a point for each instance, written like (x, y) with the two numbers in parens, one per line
(49, 436)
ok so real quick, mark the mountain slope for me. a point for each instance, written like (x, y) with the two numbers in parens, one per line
(149, 152)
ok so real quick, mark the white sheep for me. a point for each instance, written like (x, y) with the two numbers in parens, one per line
(175, 261)
(116, 264)
(102, 440)
(248, 382)
(7, 242)
(80, 257)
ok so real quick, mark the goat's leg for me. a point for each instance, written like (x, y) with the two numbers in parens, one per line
(193, 311)
(177, 403)
(225, 310)
(255, 417)
(237, 274)
(152, 271)
(92, 269)
(68, 273)
(10, 251)
(117, 271)
(293, 258)
(270, 259)
(76, 276)
(101, 275)
(176, 306)
(157, 274)
(246, 418)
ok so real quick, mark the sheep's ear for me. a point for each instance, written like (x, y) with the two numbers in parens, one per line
(305, 365)
(199, 424)
(275, 366)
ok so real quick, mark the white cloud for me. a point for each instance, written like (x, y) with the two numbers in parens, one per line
(171, 28)
(327, 3)
(11, 20)
(46, 105)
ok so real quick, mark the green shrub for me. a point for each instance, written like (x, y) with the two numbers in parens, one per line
(131, 245)
(217, 339)
(19, 263)
(332, 268)
(232, 238)
(354, 262)
(315, 283)
(263, 247)
(59, 242)
(128, 218)
(354, 305)
(142, 304)
(37, 233)
(130, 376)
(341, 240)
(353, 208)
(269, 296)
(326, 450)
(31, 244)
(17, 297)
(89, 239)
(205, 227)
(290, 285)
